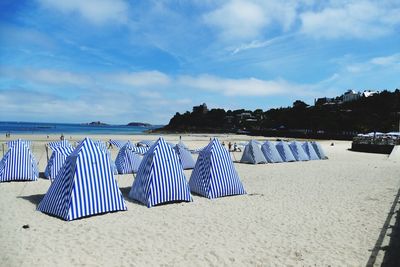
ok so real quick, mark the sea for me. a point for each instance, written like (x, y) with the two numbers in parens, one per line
(70, 128)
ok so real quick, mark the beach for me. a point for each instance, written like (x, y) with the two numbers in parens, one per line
(314, 213)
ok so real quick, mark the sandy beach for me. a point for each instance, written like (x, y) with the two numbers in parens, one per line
(315, 213)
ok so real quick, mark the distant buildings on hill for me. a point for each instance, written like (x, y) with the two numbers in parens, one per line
(348, 96)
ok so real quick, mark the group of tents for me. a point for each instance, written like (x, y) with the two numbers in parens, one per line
(83, 182)
(271, 152)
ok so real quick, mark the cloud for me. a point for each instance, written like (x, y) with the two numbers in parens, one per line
(237, 19)
(95, 11)
(239, 87)
(145, 78)
(46, 76)
(361, 19)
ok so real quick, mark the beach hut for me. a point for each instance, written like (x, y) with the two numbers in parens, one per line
(185, 157)
(140, 149)
(214, 174)
(395, 154)
(103, 147)
(128, 160)
(85, 185)
(285, 152)
(57, 159)
(18, 163)
(118, 143)
(252, 153)
(147, 143)
(160, 178)
(318, 149)
(298, 151)
(310, 151)
(270, 152)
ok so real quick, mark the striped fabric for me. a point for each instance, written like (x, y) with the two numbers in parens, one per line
(252, 153)
(270, 152)
(85, 186)
(318, 149)
(185, 157)
(57, 160)
(298, 151)
(160, 178)
(147, 143)
(118, 143)
(197, 150)
(18, 164)
(285, 152)
(140, 149)
(214, 174)
(103, 147)
(310, 151)
(128, 161)
(63, 143)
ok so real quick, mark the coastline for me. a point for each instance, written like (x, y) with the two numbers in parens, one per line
(303, 213)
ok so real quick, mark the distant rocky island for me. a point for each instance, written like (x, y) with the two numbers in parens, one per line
(140, 124)
(96, 123)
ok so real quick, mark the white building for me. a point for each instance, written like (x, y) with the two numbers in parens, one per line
(351, 95)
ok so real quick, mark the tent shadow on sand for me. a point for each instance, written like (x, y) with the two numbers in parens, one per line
(125, 192)
(34, 199)
(392, 255)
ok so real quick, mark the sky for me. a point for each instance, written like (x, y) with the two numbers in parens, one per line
(119, 61)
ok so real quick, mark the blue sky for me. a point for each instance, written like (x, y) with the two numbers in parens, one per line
(119, 61)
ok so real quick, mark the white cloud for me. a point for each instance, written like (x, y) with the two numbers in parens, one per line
(145, 78)
(238, 19)
(387, 60)
(239, 87)
(361, 19)
(95, 11)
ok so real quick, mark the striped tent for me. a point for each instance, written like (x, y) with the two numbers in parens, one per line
(285, 152)
(103, 147)
(185, 157)
(18, 164)
(147, 143)
(57, 160)
(298, 151)
(160, 178)
(214, 174)
(118, 143)
(59, 143)
(128, 161)
(270, 152)
(309, 149)
(84, 187)
(140, 149)
(197, 150)
(318, 149)
(252, 153)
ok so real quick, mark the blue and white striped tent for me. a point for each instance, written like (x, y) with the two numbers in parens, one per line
(197, 150)
(310, 151)
(160, 178)
(57, 160)
(140, 149)
(103, 147)
(214, 174)
(252, 153)
(298, 151)
(18, 164)
(64, 143)
(185, 157)
(270, 152)
(147, 143)
(285, 151)
(318, 149)
(118, 143)
(84, 187)
(128, 161)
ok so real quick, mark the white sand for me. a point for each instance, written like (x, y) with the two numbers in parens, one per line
(298, 214)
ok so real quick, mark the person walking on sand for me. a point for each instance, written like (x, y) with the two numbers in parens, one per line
(229, 146)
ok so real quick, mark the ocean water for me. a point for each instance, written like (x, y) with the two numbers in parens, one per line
(69, 128)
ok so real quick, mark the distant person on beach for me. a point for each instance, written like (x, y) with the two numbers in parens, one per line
(235, 147)
(223, 143)
(110, 145)
(229, 146)
(62, 137)
(47, 137)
